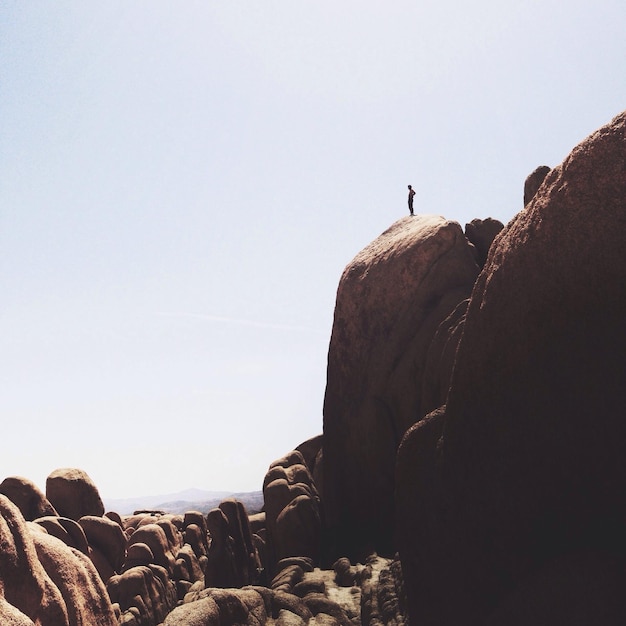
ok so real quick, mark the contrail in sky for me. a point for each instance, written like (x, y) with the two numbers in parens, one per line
(242, 322)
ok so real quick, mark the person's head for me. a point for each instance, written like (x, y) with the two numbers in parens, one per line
(409, 186)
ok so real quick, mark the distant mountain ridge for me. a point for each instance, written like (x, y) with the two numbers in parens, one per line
(182, 501)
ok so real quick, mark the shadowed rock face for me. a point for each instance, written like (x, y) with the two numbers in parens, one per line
(481, 234)
(530, 466)
(292, 508)
(390, 301)
(533, 182)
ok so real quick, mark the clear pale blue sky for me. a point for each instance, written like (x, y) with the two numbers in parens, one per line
(182, 184)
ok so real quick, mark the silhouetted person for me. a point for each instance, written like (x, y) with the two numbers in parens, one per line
(411, 194)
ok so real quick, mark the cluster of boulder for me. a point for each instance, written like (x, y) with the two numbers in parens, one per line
(65, 562)
(471, 467)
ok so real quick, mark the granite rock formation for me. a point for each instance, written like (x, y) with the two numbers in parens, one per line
(533, 182)
(390, 301)
(28, 498)
(292, 511)
(73, 494)
(43, 581)
(518, 483)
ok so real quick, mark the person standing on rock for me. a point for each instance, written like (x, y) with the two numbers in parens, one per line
(411, 194)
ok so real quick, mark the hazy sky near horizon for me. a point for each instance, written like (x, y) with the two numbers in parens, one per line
(182, 184)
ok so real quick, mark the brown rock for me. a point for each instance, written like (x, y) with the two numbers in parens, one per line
(155, 538)
(579, 588)
(422, 511)
(292, 512)
(73, 573)
(533, 182)
(187, 565)
(23, 580)
(440, 359)
(287, 578)
(481, 234)
(73, 494)
(391, 299)
(299, 529)
(108, 537)
(287, 618)
(28, 498)
(145, 592)
(67, 530)
(138, 554)
(309, 450)
(10, 616)
(221, 570)
(247, 562)
(257, 522)
(319, 603)
(202, 612)
(532, 464)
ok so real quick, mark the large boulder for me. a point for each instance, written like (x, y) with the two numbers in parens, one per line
(246, 557)
(292, 511)
(233, 560)
(530, 467)
(24, 582)
(84, 595)
(107, 544)
(43, 581)
(481, 233)
(73, 494)
(390, 301)
(30, 500)
(143, 595)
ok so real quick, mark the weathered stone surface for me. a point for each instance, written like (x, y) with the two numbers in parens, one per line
(531, 464)
(481, 233)
(247, 562)
(345, 573)
(106, 536)
(383, 598)
(45, 581)
(440, 359)
(533, 182)
(145, 592)
(67, 530)
(391, 299)
(201, 612)
(28, 498)
(287, 578)
(84, 595)
(73, 494)
(580, 588)
(292, 511)
(309, 450)
(221, 571)
(25, 583)
(423, 511)
(287, 618)
(10, 616)
(138, 554)
(155, 538)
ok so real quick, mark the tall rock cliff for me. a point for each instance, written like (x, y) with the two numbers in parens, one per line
(512, 498)
(391, 300)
